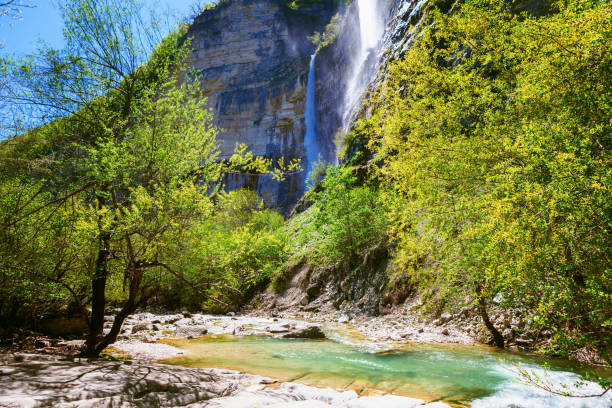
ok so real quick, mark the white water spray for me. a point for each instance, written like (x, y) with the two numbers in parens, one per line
(371, 30)
(310, 141)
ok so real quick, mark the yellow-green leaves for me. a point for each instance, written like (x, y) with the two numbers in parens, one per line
(494, 133)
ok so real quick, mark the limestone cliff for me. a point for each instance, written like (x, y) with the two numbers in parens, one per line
(252, 57)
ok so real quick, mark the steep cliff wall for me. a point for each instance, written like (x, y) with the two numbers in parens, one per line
(252, 57)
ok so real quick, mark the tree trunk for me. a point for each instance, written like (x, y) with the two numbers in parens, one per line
(98, 293)
(498, 339)
(98, 285)
(130, 307)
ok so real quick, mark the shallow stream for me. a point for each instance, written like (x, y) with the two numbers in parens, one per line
(463, 375)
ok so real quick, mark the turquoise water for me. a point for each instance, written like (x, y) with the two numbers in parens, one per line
(476, 376)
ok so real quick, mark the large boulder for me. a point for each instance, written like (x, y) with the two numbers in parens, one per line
(310, 332)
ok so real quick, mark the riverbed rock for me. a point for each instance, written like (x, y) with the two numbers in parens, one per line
(39, 344)
(445, 318)
(277, 329)
(139, 327)
(311, 332)
(48, 381)
(343, 319)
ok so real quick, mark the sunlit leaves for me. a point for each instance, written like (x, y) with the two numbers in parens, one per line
(495, 135)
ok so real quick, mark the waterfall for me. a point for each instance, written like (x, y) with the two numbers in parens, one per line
(310, 141)
(371, 30)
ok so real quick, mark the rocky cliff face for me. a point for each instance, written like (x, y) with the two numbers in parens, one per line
(252, 57)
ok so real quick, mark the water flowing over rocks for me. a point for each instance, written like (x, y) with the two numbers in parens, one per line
(42, 380)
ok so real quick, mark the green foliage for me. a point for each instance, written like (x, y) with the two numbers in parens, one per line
(124, 189)
(236, 249)
(327, 37)
(37, 255)
(494, 134)
(319, 169)
(347, 219)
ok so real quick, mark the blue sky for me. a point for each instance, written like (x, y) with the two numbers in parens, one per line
(20, 37)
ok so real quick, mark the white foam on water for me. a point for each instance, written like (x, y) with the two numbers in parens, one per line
(516, 393)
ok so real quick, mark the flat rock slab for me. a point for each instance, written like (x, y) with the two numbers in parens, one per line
(48, 381)
(33, 380)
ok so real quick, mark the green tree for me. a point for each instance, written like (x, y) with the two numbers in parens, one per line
(494, 132)
(347, 218)
(131, 149)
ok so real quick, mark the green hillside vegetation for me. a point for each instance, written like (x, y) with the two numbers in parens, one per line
(492, 139)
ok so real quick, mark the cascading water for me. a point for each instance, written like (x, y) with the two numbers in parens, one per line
(310, 141)
(371, 30)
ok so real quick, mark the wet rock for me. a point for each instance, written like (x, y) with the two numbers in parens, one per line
(186, 314)
(445, 332)
(277, 329)
(103, 384)
(311, 332)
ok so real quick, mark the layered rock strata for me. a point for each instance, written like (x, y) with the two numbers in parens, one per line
(252, 58)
